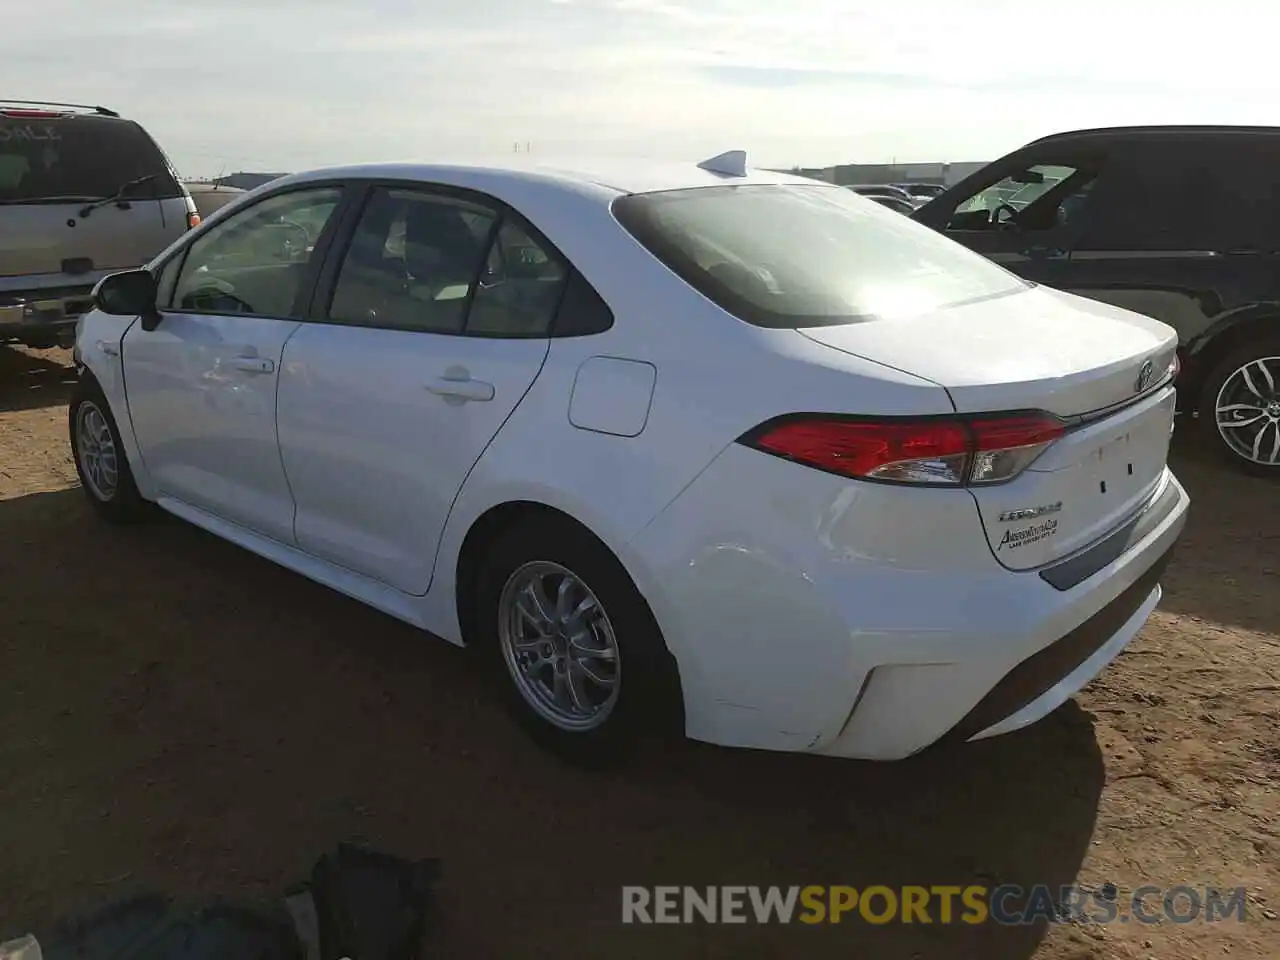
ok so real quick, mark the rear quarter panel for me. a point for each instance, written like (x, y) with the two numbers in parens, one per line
(716, 377)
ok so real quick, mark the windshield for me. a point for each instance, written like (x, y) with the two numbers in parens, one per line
(79, 157)
(801, 256)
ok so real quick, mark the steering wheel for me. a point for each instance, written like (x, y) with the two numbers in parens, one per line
(297, 244)
(1010, 221)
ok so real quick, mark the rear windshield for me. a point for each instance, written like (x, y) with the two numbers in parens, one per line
(805, 256)
(79, 157)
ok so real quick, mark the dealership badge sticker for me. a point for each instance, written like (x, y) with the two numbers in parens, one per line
(1013, 539)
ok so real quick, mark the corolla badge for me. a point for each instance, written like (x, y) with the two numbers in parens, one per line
(1030, 513)
(1144, 377)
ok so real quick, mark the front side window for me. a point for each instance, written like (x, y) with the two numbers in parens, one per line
(254, 262)
(790, 256)
(167, 281)
(411, 262)
(1018, 189)
(1040, 196)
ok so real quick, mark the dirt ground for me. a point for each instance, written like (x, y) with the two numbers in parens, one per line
(177, 714)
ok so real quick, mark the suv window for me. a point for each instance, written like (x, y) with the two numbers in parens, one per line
(1244, 197)
(1155, 196)
(411, 262)
(1040, 196)
(254, 261)
(80, 157)
(803, 256)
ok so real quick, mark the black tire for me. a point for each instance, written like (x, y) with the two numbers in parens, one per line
(121, 503)
(1225, 369)
(648, 705)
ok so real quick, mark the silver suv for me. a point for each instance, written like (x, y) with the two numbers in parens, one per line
(83, 193)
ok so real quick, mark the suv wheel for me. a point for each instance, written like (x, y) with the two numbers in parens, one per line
(1240, 406)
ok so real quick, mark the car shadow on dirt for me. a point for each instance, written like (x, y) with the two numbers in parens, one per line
(1232, 541)
(31, 379)
(180, 715)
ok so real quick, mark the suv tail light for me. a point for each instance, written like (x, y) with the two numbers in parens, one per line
(937, 451)
(13, 114)
(193, 220)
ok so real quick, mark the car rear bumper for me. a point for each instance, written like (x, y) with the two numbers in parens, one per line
(39, 315)
(812, 613)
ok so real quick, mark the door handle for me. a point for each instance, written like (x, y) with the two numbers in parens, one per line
(461, 386)
(253, 364)
(108, 348)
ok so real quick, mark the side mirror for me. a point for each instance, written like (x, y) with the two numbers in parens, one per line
(128, 294)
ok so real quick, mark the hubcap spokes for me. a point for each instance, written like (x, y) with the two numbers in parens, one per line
(559, 645)
(1247, 411)
(96, 449)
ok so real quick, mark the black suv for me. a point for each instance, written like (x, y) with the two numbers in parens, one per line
(1179, 223)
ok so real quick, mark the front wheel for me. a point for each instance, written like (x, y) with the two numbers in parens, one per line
(99, 455)
(572, 644)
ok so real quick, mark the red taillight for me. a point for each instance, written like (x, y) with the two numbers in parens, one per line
(942, 450)
(31, 114)
(193, 220)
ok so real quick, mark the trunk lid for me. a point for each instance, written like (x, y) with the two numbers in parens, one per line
(1045, 350)
(1037, 349)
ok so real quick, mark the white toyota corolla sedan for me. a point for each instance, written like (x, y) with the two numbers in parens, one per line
(689, 446)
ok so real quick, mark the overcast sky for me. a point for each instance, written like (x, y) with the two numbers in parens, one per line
(286, 84)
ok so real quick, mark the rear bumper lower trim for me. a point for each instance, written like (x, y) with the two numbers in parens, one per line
(1037, 674)
(1069, 573)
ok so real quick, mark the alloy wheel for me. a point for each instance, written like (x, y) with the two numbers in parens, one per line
(559, 646)
(1247, 411)
(96, 451)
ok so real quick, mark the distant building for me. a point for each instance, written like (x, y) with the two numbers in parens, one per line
(849, 174)
(945, 173)
(246, 181)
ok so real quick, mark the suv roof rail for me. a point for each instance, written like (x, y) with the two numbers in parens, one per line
(52, 103)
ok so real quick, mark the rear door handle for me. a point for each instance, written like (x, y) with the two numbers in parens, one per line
(461, 386)
(108, 348)
(253, 364)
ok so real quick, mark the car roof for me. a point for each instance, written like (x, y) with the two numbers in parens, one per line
(604, 178)
(1132, 132)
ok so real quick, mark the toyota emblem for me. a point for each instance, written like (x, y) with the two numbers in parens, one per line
(1144, 377)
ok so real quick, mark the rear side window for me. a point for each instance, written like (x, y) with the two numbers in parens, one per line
(1151, 196)
(1244, 194)
(787, 256)
(79, 158)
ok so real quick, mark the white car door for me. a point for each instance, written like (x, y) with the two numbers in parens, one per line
(437, 326)
(201, 386)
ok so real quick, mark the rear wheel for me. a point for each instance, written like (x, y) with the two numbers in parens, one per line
(573, 646)
(1240, 406)
(99, 455)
